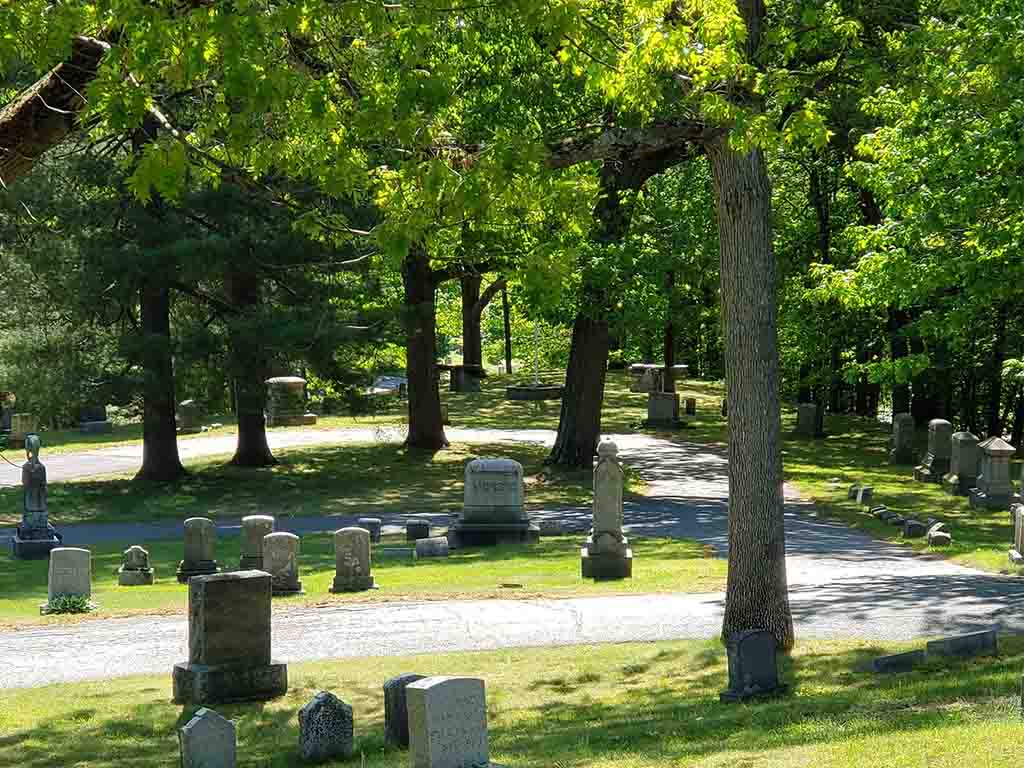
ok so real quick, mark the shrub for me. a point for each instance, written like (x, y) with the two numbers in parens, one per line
(69, 604)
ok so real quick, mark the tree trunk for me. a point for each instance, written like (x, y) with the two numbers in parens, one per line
(1017, 437)
(669, 375)
(472, 341)
(506, 314)
(995, 389)
(251, 365)
(757, 591)
(898, 349)
(426, 427)
(160, 460)
(579, 424)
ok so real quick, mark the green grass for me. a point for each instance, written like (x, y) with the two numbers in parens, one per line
(618, 706)
(550, 568)
(321, 480)
(857, 450)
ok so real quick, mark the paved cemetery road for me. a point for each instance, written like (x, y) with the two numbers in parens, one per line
(843, 584)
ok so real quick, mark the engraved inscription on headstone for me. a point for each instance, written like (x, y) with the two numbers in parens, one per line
(447, 723)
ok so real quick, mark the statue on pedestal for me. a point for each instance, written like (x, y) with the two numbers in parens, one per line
(35, 537)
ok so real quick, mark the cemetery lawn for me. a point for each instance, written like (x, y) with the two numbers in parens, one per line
(550, 569)
(857, 451)
(349, 479)
(613, 706)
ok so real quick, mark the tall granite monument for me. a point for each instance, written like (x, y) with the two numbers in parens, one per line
(606, 554)
(35, 537)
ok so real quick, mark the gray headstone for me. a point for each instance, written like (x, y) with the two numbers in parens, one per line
(447, 723)
(493, 491)
(371, 524)
(281, 561)
(135, 569)
(229, 619)
(865, 494)
(434, 547)
(200, 548)
(254, 529)
(416, 530)
(898, 662)
(396, 712)
(974, 644)
(606, 553)
(395, 553)
(914, 529)
(753, 667)
(325, 729)
(352, 560)
(207, 741)
(902, 440)
(70, 572)
(852, 492)
(807, 419)
(939, 539)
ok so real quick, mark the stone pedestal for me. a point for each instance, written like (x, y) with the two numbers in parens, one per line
(963, 465)
(663, 408)
(135, 569)
(935, 464)
(200, 549)
(286, 401)
(994, 489)
(34, 545)
(493, 511)
(34, 538)
(901, 443)
(229, 642)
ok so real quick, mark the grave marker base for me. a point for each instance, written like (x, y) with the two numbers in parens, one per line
(203, 684)
(492, 534)
(980, 500)
(606, 566)
(33, 549)
(203, 568)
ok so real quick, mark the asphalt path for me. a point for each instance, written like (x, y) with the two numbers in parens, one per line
(843, 584)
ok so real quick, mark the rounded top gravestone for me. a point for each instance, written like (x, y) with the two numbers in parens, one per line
(135, 557)
(607, 449)
(200, 535)
(254, 529)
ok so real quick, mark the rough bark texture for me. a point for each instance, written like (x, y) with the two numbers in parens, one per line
(506, 313)
(45, 114)
(472, 341)
(669, 376)
(160, 460)
(251, 367)
(426, 427)
(898, 349)
(756, 595)
(995, 391)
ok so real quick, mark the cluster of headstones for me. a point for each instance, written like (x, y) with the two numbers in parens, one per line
(937, 533)
(985, 643)
(442, 721)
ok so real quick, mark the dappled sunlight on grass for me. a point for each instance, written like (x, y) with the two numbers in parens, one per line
(629, 706)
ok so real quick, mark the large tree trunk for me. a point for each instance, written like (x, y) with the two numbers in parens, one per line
(472, 341)
(757, 591)
(160, 460)
(426, 426)
(579, 424)
(669, 374)
(995, 389)
(506, 314)
(251, 366)
(898, 349)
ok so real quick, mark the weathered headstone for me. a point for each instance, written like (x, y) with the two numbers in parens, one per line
(984, 643)
(416, 530)
(22, 425)
(396, 712)
(898, 662)
(373, 525)
(914, 529)
(807, 419)
(939, 539)
(200, 549)
(432, 548)
(691, 406)
(663, 409)
(92, 420)
(394, 553)
(35, 537)
(254, 529)
(135, 569)
(963, 465)
(852, 491)
(493, 509)
(606, 554)
(281, 561)
(753, 666)
(1017, 550)
(70, 572)
(935, 464)
(189, 417)
(208, 741)
(286, 402)
(865, 494)
(994, 489)
(352, 561)
(325, 729)
(229, 636)
(447, 723)
(902, 439)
